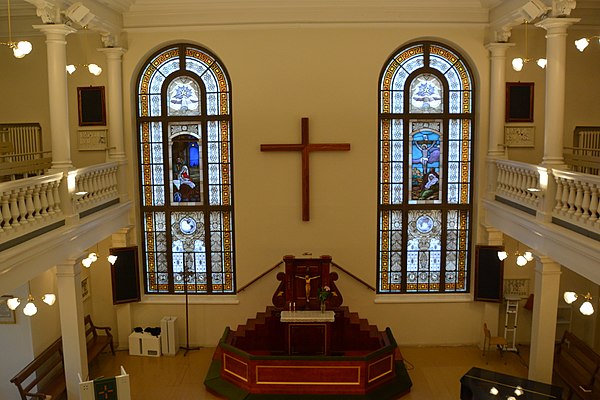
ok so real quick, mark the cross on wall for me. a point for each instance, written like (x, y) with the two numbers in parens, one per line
(306, 148)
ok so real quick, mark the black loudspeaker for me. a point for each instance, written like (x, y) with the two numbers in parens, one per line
(489, 274)
(125, 275)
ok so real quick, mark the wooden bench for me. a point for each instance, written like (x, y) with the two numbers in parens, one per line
(577, 369)
(45, 375)
(97, 343)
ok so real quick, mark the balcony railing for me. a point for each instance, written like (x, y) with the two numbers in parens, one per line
(33, 206)
(566, 198)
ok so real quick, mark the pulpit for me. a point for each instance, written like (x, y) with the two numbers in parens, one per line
(295, 347)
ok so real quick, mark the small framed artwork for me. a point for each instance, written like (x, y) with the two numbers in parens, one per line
(85, 288)
(519, 136)
(91, 105)
(519, 102)
(7, 316)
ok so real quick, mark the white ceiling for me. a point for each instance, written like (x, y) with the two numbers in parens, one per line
(114, 15)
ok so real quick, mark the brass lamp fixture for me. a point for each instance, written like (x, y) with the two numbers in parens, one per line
(30, 309)
(521, 259)
(586, 307)
(20, 49)
(93, 257)
(92, 68)
(518, 63)
(582, 43)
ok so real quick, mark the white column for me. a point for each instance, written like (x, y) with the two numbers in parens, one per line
(56, 48)
(496, 149)
(554, 112)
(68, 280)
(543, 329)
(116, 151)
(115, 101)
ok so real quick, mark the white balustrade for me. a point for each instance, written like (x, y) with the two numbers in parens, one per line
(519, 183)
(577, 199)
(99, 183)
(25, 207)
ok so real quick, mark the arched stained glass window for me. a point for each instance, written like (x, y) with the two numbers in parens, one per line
(184, 126)
(425, 170)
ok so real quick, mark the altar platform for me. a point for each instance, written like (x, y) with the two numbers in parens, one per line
(308, 353)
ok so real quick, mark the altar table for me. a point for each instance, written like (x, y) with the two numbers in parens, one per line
(308, 332)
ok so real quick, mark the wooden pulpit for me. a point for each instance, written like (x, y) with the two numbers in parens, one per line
(301, 281)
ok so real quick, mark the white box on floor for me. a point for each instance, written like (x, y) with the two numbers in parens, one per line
(144, 344)
(168, 336)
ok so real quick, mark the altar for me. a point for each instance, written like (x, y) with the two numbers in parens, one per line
(308, 332)
(295, 348)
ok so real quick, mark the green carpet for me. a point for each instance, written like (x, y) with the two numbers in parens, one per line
(392, 390)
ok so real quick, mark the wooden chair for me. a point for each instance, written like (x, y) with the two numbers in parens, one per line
(489, 340)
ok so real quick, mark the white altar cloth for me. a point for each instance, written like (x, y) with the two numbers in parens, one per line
(307, 316)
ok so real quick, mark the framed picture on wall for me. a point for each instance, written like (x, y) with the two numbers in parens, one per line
(519, 102)
(7, 316)
(91, 105)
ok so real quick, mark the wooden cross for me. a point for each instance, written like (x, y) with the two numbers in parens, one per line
(305, 147)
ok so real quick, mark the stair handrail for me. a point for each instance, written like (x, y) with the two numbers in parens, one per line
(260, 276)
(356, 278)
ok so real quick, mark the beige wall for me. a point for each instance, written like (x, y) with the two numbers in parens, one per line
(279, 74)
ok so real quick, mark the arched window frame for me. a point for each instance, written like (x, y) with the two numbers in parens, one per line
(187, 239)
(431, 269)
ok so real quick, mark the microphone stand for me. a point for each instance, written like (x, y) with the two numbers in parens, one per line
(187, 327)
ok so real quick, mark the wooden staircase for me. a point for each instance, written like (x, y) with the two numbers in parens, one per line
(264, 334)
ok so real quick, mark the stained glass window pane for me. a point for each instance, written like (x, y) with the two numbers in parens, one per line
(425, 168)
(426, 173)
(426, 94)
(186, 171)
(183, 97)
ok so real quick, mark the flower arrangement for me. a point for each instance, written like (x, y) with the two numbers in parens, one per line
(324, 293)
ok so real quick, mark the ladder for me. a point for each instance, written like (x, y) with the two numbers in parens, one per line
(510, 323)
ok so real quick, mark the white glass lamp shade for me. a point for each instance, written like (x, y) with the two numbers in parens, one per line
(87, 262)
(570, 297)
(582, 43)
(22, 48)
(94, 69)
(49, 298)
(502, 255)
(542, 62)
(519, 391)
(13, 303)
(93, 257)
(30, 309)
(521, 261)
(528, 256)
(494, 391)
(517, 64)
(586, 308)
(71, 68)
(112, 259)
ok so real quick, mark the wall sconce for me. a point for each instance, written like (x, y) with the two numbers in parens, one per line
(112, 259)
(582, 43)
(586, 308)
(89, 260)
(30, 308)
(20, 49)
(518, 63)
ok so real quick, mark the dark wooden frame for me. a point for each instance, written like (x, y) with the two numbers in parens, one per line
(130, 276)
(519, 101)
(91, 105)
(489, 279)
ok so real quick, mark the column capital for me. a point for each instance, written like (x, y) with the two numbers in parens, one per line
(55, 29)
(499, 49)
(556, 25)
(546, 266)
(113, 53)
